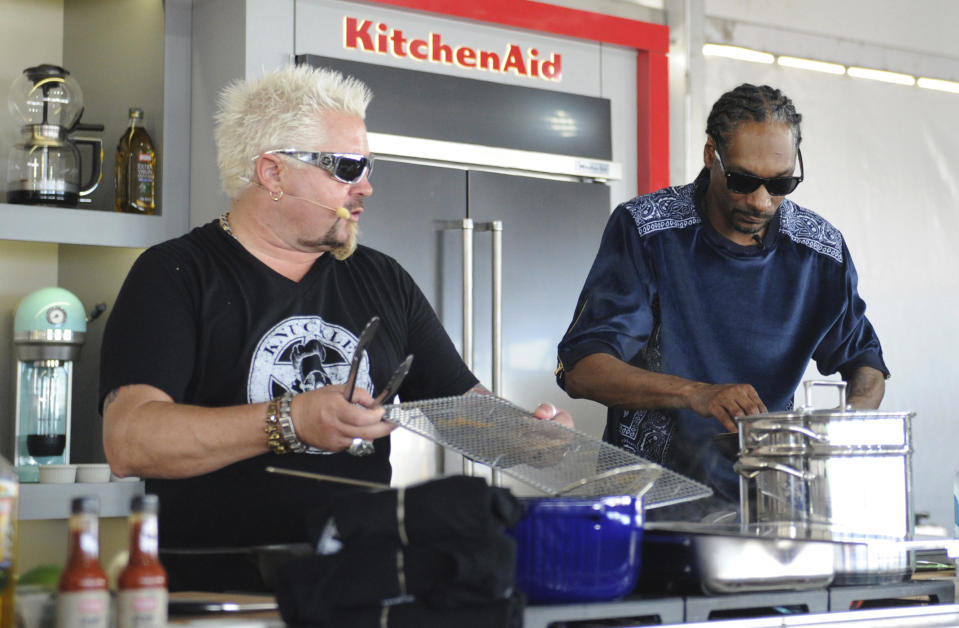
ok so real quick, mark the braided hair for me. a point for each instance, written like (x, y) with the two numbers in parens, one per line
(749, 103)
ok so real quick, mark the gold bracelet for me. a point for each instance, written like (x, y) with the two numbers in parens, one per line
(273, 437)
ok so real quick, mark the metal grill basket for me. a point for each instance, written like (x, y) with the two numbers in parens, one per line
(543, 454)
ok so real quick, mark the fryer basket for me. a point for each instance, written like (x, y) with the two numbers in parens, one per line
(542, 454)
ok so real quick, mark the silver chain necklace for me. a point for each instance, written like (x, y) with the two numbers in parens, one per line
(225, 225)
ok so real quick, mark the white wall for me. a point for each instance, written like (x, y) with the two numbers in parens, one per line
(917, 25)
(882, 164)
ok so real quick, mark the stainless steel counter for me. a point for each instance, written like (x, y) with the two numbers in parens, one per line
(825, 607)
(903, 617)
(821, 607)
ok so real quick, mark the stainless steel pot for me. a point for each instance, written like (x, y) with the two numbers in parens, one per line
(848, 469)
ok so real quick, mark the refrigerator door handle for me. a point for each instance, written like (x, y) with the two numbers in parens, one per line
(468, 292)
(496, 331)
(468, 227)
(469, 466)
(497, 378)
(496, 229)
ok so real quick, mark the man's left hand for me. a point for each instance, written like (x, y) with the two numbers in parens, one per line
(549, 412)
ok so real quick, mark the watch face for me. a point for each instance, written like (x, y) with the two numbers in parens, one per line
(56, 315)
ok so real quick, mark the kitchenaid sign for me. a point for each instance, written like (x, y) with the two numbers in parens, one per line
(367, 36)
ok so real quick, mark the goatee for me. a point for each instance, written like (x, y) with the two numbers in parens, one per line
(347, 248)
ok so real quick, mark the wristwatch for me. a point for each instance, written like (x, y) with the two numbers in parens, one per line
(285, 423)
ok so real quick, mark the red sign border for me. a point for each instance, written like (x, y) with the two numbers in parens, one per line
(651, 42)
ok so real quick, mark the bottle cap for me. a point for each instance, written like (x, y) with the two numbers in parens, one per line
(145, 503)
(89, 505)
(136, 112)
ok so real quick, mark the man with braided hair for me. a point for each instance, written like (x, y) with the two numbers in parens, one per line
(707, 301)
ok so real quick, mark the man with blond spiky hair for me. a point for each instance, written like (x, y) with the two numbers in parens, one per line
(228, 348)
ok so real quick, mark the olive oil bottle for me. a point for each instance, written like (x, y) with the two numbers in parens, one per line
(137, 178)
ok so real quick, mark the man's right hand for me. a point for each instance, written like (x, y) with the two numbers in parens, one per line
(614, 383)
(324, 418)
(725, 402)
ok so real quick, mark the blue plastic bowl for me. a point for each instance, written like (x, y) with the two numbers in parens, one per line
(579, 550)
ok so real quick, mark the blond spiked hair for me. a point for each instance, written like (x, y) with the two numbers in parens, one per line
(278, 110)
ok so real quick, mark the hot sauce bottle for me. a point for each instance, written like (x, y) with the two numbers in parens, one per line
(142, 600)
(84, 597)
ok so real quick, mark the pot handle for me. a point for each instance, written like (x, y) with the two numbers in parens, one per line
(764, 425)
(750, 466)
(809, 384)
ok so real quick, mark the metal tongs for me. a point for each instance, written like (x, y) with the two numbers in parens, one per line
(362, 447)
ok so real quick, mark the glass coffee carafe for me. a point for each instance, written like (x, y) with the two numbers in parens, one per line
(44, 167)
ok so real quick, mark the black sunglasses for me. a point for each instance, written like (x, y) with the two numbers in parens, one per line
(344, 167)
(742, 183)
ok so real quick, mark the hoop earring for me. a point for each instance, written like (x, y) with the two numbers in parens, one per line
(276, 196)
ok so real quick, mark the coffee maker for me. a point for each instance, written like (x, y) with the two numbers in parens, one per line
(44, 167)
(48, 330)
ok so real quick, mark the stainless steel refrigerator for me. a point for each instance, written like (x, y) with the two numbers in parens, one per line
(549, 231)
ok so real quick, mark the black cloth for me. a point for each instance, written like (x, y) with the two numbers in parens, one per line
(451, 507)
(202, 319)
(234, 571)
(455, 556)
(444, 574)
(506, 613)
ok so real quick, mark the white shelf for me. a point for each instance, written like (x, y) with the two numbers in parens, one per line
(52, 501)
(39, 223)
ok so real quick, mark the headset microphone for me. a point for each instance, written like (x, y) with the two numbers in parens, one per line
(341, 212)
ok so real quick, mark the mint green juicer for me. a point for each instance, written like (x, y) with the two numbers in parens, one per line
(48, 330)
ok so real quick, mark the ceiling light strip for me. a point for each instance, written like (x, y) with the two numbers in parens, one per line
(737, 52)
(898, 78)
(938, 84)
(810, 64)
(881, 75)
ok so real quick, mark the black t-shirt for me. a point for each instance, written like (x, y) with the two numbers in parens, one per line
(202, 319)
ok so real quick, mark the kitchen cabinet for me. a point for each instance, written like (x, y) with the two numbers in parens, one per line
(122, 53)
